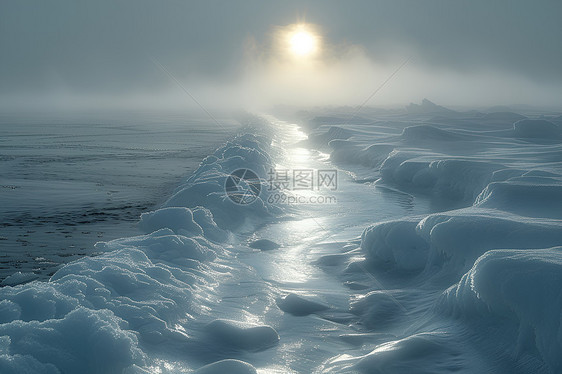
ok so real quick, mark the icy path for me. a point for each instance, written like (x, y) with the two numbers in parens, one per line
(316, 238)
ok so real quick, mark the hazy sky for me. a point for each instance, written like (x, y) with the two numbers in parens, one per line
(463, 52)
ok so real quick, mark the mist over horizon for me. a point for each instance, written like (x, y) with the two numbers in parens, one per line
(106, 54)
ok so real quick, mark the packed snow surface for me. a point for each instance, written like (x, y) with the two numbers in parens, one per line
(442, 253)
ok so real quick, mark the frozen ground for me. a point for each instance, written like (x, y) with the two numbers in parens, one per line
(438, 252)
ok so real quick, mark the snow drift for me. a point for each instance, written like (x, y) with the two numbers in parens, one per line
(496, 255)
(103, 314)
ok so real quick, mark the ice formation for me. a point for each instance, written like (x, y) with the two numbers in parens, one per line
(469, 280)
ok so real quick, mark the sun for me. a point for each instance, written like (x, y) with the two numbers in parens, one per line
(302, 42)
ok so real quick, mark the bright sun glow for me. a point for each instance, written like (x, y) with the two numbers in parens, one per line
(303, 43)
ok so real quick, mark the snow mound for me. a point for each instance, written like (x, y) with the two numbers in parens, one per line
(426, 353)
(227, 366)
(454, 239)
(242, 336)
(524, 198)
(377, 309)
(332, 260)
(264, 244)
(136, 294)
(204, 218)
(173, 218)
(187, 222)
(455, 179)
(428, 133)
(57, 345)
(206, 187)
(508, 117)
(324, 137)
(460, 237)
(164, 245)
(537, 128)
(19, 278)
(395, 244)
(522, 289)
(345, 151)
(299, 306)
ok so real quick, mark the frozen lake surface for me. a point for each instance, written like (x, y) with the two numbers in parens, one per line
(436, 249)
(70, 180)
